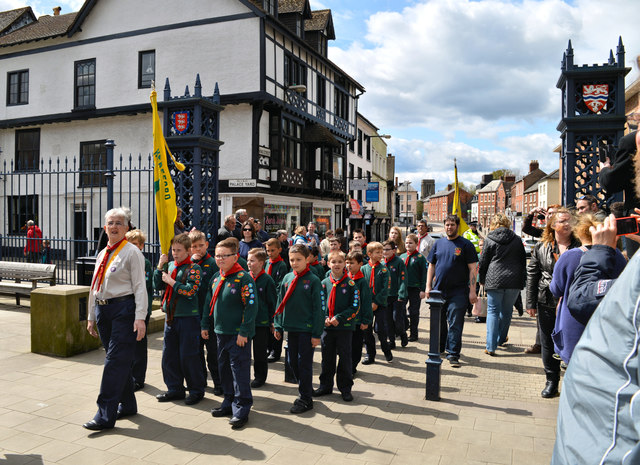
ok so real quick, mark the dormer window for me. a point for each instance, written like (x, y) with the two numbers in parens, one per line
(299, 26)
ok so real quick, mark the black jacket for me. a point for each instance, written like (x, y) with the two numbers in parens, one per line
(503, 261)
(620, 176)
(540, 272)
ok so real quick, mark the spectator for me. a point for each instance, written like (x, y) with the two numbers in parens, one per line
(46, 252)
(34, 242)
(312, 237)
(503, 273)
(425, 241)
(474, 236)
(540, 214)
(283, 237)
(227, 228)
(241, 217)
(249, 240)
(324, 244)
(344, 244)
(178, 226)
(558, 237)
(261, 234)
(395, 235)
(300, 236)
(589, 204)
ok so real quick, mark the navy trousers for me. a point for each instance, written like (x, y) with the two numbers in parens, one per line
(413, 310)
(336, 343)
(234, 363)
(181, 356)
(301, 362)
(382, 326)
(115, 326)
(139, 369)
(357, 340)
(260, 363)
(211, 359)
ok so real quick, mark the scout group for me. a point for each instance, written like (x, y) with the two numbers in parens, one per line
(222, 305)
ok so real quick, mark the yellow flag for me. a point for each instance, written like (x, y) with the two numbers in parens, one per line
(166, 208)
(456, 210)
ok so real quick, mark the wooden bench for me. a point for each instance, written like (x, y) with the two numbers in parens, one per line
(33, 273)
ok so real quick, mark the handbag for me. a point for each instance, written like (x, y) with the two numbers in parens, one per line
(480, 307)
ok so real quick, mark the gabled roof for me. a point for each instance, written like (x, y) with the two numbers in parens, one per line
(533, 187)
(443, 193)
(492, 186)
(553, 175)
(46, 27)
(321, 20)
(8, 18)
(403, 187)
(295, 6)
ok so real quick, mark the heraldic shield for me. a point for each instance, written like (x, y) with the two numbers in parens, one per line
(595, 96)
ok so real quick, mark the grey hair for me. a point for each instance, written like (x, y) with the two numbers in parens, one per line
(241, 211)
(229, 218)
(118, 212)
(30, 223)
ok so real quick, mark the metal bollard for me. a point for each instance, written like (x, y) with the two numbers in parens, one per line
(434, 361)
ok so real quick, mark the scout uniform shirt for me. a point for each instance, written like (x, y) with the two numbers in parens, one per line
(365, 315)
(304, 309)
(124, 275)
(267, 298)
(347, 303)
(380, 288)
(184, 296)
(397, 278)
(416, 270)
(208, 269)
(276, 270)
(318, 269)
(236, 306)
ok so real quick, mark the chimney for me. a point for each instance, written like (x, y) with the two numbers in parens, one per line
(449, 187)
(56, 10)
(396, 182)
(534, 165)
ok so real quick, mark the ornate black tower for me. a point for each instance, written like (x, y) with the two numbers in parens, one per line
(593, 120)
(192, 131)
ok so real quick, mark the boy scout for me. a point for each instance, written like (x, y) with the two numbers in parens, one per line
(343, 305)
(277, 268)
(364, 318)
(377, 275)
(180, 355)
(233, 306)
(396, 300)
(314, 264)
(416, 282)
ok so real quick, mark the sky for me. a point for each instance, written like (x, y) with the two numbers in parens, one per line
(471, 80)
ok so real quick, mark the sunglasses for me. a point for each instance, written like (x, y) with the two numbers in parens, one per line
(248, 229)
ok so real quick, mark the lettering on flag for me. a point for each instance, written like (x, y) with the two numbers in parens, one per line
(595, 96)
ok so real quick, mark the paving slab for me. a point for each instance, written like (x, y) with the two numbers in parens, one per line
(490, 412)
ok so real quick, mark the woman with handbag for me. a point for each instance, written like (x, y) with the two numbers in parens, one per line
(557, 238)
(502, 274)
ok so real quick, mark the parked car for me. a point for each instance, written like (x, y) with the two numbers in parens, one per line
(529, 244)
(435, 236)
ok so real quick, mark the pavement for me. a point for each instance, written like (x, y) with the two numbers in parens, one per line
(491, 411)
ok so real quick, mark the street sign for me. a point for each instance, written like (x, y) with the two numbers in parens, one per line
(372, 194)
(242, 183)
(358, 184)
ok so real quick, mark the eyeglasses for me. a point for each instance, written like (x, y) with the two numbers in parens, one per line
(115, 223)
(248, 229)
(222, 257)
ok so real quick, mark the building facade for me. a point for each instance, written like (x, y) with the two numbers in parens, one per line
(440, 204)
(407, 204)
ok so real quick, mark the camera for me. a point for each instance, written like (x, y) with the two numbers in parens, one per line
(541, 216)
(627, 225)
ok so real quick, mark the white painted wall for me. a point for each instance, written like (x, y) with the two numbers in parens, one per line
(235, 156)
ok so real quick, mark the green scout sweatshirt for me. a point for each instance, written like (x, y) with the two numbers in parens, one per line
(397, 278)
(184, 296)
(304, 309)
(347, 303)
(380, 289)
(416, 271)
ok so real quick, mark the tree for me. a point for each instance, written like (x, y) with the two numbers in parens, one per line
(471, 189)
(497, 174)
(419, 209)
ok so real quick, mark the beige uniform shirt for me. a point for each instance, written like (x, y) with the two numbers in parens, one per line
(124, 276)
(425, 245)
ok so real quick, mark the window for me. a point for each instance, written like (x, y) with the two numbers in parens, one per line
(291, 144)
(360, 177)
(93, 163)
(368, 149)
(321, 91)
(27, 150)
(18, 88)
(369, 176)
(342, 104)
(360, 142)
(22, 208)
(270, 7)
(85, 84)
(351, 174)
(146, 69)
(295, 72)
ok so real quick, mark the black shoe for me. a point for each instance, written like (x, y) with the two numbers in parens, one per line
(322, 392)
(454, 362)
(169, 396)
(95, 426)
(392, 345)
(388, 355)
(413, 338)
(122, 414)
(481, 319)
(404, 340)
(368, 361)
(347, 396)
(137, 386)
(193, 399)
(300, 406)
(221, 412)
(550, 389)
(256, 383)
(273, 357)
(237, 423)
(520, 311)
(217, 391)
(469, 314)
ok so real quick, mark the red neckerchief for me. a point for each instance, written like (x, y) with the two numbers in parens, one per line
(234, 269)
(174, 273)
(290, 290)
(270, 264)
(358, 275)
(387, 261)
(409, 255)
(332, 293)
(102, 269)
(199, 262)
(314, 263)
(373, 277)
(255, 278)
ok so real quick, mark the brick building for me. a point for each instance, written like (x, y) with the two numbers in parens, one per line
(440, 204)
